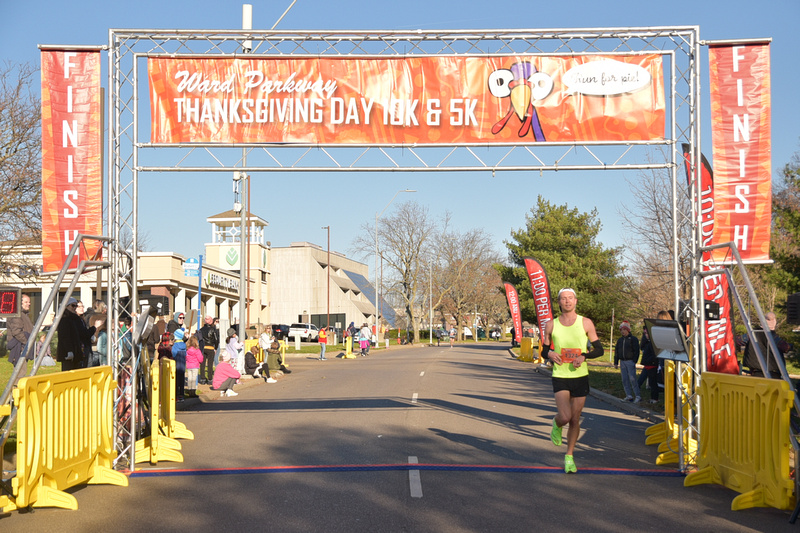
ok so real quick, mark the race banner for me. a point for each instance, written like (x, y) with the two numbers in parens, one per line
(72, 181)
(410, 100)
(720, 347)
(741, 112)
(516, 316)
(540, 287)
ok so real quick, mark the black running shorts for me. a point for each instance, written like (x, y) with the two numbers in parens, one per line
(577, 387)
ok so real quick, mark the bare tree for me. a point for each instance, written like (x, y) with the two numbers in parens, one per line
(20, 155)
(647, 212)
(404, 237)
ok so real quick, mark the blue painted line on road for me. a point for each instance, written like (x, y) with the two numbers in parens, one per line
(402, 466)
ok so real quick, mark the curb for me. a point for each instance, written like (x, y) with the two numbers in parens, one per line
(619, 403)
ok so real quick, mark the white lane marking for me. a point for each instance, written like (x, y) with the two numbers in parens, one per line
(414, 398)
(414, 480)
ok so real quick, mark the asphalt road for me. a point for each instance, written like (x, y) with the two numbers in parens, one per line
(328, 449)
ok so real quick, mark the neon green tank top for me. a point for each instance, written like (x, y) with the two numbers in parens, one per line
(572, 336)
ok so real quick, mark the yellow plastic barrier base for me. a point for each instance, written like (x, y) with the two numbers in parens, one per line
(179, 431)
(166, 449)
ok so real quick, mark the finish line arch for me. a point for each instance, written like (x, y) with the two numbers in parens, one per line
(138, 147)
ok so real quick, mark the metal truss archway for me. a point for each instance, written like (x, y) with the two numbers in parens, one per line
(131, 153)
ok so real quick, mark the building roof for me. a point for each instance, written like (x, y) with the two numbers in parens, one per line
(233, 216)
(366, 288)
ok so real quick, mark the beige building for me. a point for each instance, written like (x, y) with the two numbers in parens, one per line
(284, 285)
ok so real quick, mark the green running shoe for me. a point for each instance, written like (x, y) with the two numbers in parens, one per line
(555, 434)
(569, 465)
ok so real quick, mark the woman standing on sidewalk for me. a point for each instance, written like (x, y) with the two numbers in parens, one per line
(323, 342)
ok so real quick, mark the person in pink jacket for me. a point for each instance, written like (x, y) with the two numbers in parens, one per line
(225, 377)
(194, 357)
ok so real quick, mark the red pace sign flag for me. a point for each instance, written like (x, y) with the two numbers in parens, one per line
(513, 305)
(409, 100)
(72, 181)
(540, 287)
(720, 347)
(741, 111)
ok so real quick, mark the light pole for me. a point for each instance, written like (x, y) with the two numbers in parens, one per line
(328, 327)
(377, 216)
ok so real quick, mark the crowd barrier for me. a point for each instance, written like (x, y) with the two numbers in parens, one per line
(162, 443)
(745, 439)
(526, 349)
(348, 348)
(65, 437)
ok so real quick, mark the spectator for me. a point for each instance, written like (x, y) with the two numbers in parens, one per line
(47, 357)
(626, 356)
(210, 343)
(100, 353)
(176, 322)
(363, 339)
(275, 360)
(73, 336)
(179, 354)
(225, 377)
(650, 370)
(194, 359)
(232, 346)
(323, 342)
(165, 346)
(256, 369)
(750, 359)
(19, 331)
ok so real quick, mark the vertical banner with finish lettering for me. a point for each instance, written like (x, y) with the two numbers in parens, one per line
(72, 181)
(513, 306)
(740, 127)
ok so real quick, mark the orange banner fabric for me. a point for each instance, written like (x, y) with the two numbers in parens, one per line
(72, 186)
(741, 111)
(424, 100)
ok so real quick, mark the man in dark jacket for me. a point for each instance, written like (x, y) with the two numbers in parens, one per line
(626, 356)
(209, 345)
(750, 359)
(73, 335)
(19, 330)
(650, 370)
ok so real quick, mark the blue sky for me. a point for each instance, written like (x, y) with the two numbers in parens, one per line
(296, 206)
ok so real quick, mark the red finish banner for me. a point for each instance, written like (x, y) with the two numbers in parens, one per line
(418, 100)
(72, 181)
(720, 347)
(516, 316)
(741, 111)
(540, 286)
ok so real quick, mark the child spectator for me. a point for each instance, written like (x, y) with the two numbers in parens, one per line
(47, 358)
(194, 358)
(165, 346)
(232, 345)
(179, 354)
(225, 377)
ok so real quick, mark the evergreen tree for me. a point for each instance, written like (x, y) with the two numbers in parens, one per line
(565, 242)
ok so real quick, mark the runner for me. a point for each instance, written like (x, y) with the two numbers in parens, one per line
(569, 335)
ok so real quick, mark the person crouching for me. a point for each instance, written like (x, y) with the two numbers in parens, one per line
(225, 377)
(255, 369)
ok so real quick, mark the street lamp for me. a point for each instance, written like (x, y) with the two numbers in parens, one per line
(377, 216)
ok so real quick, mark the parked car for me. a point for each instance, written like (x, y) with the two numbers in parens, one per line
(306, 332)
(280, 331)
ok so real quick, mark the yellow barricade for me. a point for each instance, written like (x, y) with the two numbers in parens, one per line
(526, 349)
(348, 348)
(158, 446)
(249, 343)
(745, 439)
(65, 436)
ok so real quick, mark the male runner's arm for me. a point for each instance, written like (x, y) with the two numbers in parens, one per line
(597, 346)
